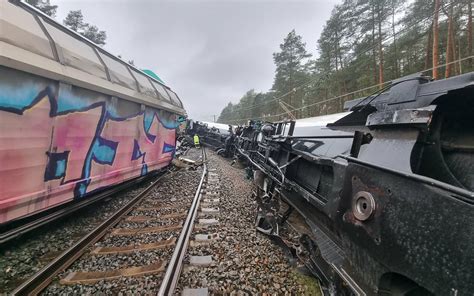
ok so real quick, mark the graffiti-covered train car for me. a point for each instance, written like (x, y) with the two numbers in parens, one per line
(73, 117)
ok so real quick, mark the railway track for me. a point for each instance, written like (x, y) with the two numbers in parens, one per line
(199, 232)
(17, 229)
(144, 216)
(191, 234)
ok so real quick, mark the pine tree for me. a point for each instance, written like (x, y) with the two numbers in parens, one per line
(364, 43)
(226, 113)
(469, 31)
(75, 21)
(435, 38)
(291, 70)
(450, 43)
(92, 33)
(44, 6)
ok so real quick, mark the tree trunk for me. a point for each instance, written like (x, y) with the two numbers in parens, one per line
(449, 45)
(290, 80)
(435, 38)
(379, 17)
(374, 47)
(459, 65)
(336, 50)
(429, 47)
(397, 74)
(469, 31)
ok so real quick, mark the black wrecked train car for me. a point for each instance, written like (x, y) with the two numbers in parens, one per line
(382, 195)
(219, 137)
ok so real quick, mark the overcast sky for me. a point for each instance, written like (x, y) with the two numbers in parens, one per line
(209, 52)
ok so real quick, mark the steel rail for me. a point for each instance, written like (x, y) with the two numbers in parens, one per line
(40, 280)
(175, 265)
(55, 214)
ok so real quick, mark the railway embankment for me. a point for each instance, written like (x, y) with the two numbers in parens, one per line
(27, 254)
(225, 253)
(244, 261)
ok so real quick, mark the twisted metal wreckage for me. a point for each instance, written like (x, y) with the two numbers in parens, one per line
(382, 195)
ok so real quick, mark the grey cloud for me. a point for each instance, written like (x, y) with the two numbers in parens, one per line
(209, 52)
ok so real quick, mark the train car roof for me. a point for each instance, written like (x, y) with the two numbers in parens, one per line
(33, 42)
(317, 126)
(223, 128)
(320, 120)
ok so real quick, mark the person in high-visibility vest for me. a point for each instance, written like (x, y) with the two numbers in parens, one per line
(196, 141)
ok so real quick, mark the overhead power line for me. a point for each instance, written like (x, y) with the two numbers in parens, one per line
(319, 78)
(346, 94)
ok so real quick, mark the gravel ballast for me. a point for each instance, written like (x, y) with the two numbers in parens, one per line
(245, 262)
(175, 197)
(26, 255)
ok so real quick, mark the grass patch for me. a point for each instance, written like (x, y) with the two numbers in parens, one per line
(310, 283)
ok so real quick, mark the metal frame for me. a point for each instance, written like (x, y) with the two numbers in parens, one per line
(154, 88)
(107, 72)
(134, 78)
(54, 48)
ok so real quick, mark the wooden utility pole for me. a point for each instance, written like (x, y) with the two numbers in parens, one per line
(435, 38)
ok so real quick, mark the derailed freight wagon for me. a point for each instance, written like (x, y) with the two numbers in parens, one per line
(382, 195)
(73, 117)
(211, 134)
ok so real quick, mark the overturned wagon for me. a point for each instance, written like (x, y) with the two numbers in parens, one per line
(382, 195)
(211, 133)
(74, 118)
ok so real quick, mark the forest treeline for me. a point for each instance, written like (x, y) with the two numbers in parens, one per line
(364, 44)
